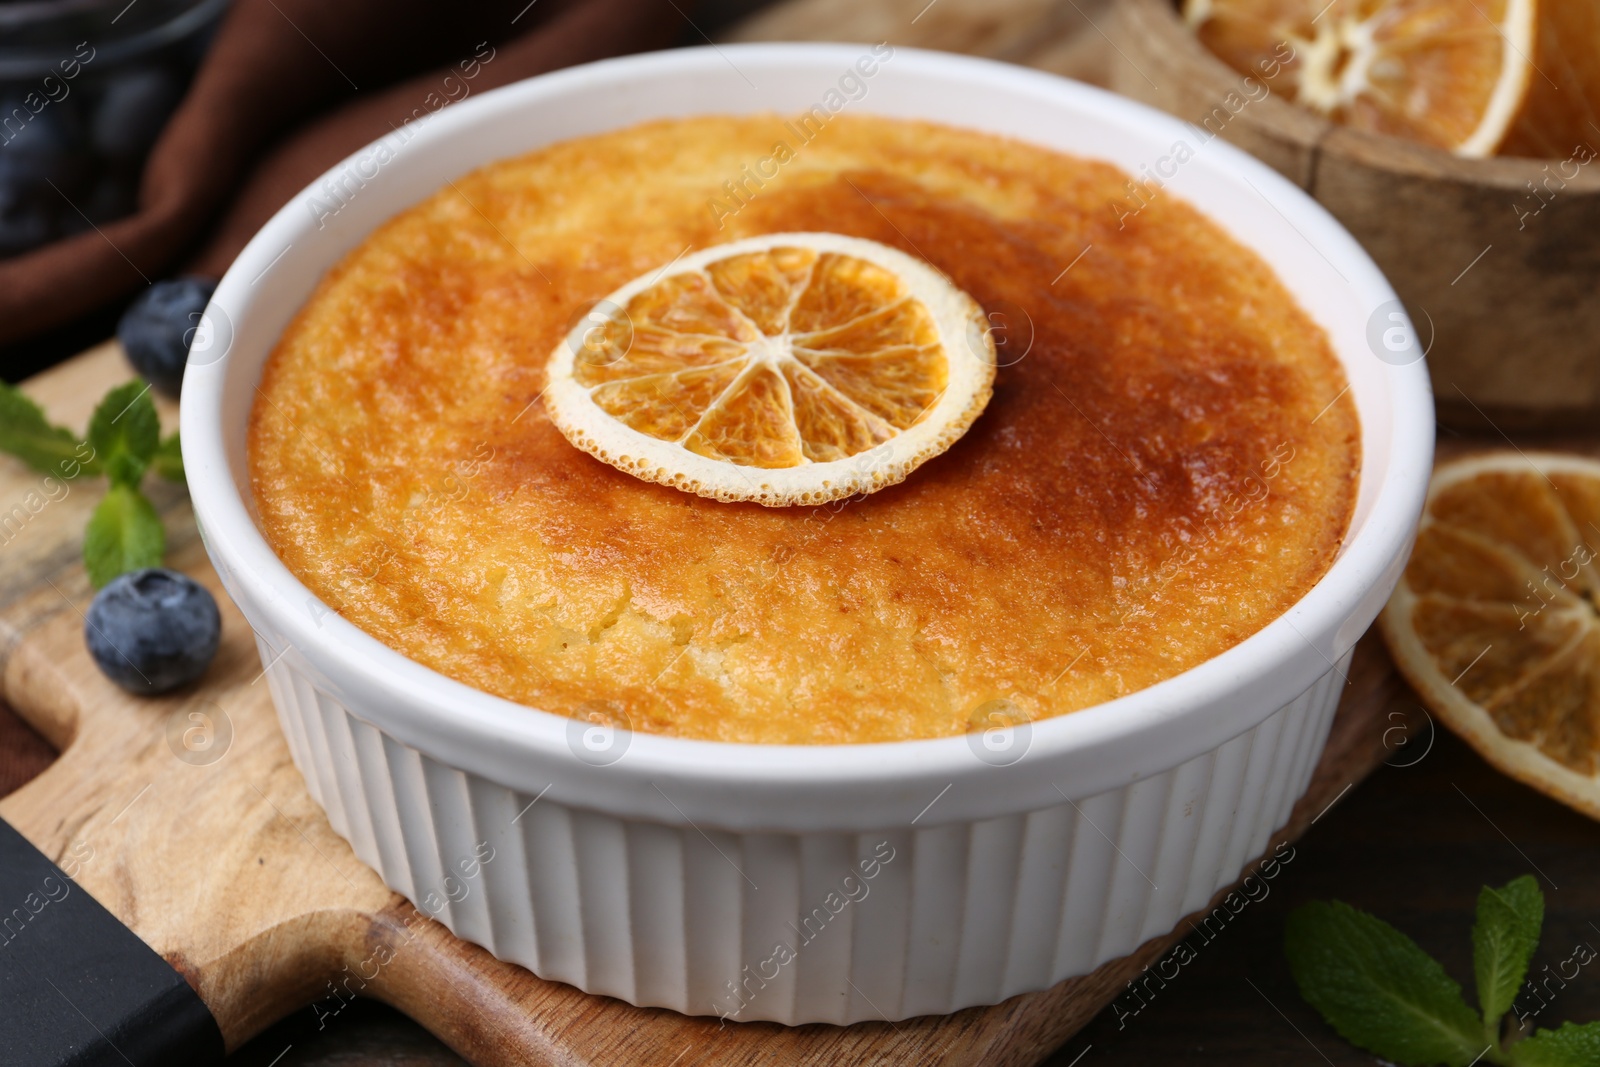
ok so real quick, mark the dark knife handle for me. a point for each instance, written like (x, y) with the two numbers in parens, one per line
(78, 988)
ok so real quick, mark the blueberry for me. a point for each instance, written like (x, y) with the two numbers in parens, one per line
(41, 132)
(35, 152)
(133, 111)
(152, 630)
(41, 148)
(26, 221)
(157, 328)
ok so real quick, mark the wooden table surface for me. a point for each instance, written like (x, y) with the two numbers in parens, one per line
(1413, 843)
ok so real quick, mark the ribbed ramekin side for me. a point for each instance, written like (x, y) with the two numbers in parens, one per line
(794, 928)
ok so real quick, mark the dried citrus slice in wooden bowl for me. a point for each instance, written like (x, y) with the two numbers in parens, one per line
(791, 368)
(1454, 74)
(1494, 622)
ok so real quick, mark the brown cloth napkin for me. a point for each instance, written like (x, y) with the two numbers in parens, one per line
(289, 88)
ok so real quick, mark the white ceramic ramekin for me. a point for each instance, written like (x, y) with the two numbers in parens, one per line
(822, 883)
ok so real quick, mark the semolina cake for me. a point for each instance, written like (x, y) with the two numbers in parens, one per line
(1168, 461)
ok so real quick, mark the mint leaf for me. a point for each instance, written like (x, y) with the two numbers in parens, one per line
(1570, 1046)
(125, 432)
(1503, 940)
(168, 460)
(28, 435)
(124, 535)
(1378, 989)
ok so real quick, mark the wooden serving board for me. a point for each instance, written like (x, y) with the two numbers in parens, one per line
(230, 871)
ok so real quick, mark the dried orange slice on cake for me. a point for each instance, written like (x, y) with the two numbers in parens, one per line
(791, 368)
(1454, 74)
(1494, 622)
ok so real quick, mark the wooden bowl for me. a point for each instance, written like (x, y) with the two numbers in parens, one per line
(1497, 259)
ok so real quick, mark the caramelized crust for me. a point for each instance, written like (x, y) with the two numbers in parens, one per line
(1168, 463)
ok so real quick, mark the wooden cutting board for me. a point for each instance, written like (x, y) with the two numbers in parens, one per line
(227, 868)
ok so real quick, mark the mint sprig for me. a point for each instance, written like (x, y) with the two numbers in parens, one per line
(125, 432)
(123, 442)
(1383, 993)
(1572, 1044)
(1377, 988)
(1503, 940)
(28, 435)
(124, 534)
(168, 459)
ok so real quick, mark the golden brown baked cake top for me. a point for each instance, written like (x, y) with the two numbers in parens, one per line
(1168, 464)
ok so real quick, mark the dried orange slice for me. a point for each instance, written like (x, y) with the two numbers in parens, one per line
(1558, 120)
(791, 368)
(1454, 74)
(1494, 622)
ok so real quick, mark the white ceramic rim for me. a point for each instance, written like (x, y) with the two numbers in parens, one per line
(836, 787)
